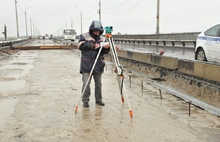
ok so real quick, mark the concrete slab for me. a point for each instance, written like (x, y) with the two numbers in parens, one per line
(45, 110)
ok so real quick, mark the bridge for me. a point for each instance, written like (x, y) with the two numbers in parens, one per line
(40, 82)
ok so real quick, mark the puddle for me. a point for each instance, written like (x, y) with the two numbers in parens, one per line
(19, 63)
(8, 86)
(11, 71)
(15, 71)
(7, 107)
(24, 55)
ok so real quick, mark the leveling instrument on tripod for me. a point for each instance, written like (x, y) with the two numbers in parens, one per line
(118, 70)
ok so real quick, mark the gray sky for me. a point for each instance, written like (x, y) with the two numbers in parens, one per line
(126, 16)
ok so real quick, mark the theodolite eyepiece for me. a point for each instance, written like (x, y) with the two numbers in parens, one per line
(108, 29)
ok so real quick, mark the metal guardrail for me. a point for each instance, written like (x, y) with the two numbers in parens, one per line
(163, 42)
(12, 42)
(58, 39)
(212, 109)
(169, 39)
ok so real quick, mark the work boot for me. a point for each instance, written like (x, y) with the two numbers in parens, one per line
(86, 104)
(101, 103)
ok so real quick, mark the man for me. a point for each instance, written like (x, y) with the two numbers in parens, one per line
(89, 44)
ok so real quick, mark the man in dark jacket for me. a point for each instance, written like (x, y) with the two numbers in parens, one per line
(89, 45)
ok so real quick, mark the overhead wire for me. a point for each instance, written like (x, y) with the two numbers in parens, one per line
(106, 1)
(77, 21)
(14, 8)
(124, 11)
(7, 4)
(11, 33)
(90, 16)
(21, 10)
(118, 5)
(90, 10)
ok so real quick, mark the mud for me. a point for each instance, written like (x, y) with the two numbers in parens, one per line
(43, 109)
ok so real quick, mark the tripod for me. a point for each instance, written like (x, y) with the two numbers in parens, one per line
(118, 70)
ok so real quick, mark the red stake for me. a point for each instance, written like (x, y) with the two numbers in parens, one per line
(131, 113)
(76, 109)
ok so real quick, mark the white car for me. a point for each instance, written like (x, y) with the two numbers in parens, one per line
(208, 45)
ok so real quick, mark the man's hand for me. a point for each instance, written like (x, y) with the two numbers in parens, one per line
(97, 45)
(106, 46)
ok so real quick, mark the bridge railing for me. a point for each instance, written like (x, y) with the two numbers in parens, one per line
(11, 42)
(162, 42)
(171, 39)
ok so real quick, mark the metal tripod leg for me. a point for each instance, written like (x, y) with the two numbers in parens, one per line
(122, 87)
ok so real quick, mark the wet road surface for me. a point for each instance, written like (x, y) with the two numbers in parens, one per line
(39, 90)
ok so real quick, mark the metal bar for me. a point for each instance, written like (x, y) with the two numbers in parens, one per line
(130, 80)
(142, 85)
(160, 94)
(212, 109)
(189, 107)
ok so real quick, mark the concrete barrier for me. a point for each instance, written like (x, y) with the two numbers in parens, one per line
(194, 68)
(169, 62)
(186, 66)
(207, 71)
(149, 58)
(141, 57)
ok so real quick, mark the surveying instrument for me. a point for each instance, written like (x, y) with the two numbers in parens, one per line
(118, 69)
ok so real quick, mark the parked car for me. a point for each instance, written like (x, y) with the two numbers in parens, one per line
(208, 45)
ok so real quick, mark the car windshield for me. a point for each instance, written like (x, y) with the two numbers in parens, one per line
(213, 31)
(69, 32)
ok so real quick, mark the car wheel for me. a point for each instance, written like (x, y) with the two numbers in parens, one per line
(200, 55)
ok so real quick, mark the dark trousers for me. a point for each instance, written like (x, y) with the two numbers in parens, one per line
(98, 87)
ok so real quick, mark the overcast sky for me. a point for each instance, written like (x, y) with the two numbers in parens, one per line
(126, 16)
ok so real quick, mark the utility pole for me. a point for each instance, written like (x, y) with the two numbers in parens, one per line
(81, 20)
(33, 30)
(158, 16)
(26, 24)
(26, 21)
(80, 16)
(31, 24)
(16, 13)
(100, 10)
(5, 32)
(71, 21)
(31, 27)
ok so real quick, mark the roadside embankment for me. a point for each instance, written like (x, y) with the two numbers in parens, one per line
(199, 79)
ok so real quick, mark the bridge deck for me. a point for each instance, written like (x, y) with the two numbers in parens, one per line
(38, 90)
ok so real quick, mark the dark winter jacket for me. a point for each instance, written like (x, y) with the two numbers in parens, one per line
(88, 53)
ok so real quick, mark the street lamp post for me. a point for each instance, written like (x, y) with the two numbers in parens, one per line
(34, 28)
(65, 22)
(26, 21)
(31, 23)
(80, 16)
(61, 33)
(16, 13)
(71, 21)
(100, 10)
(158, 16)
